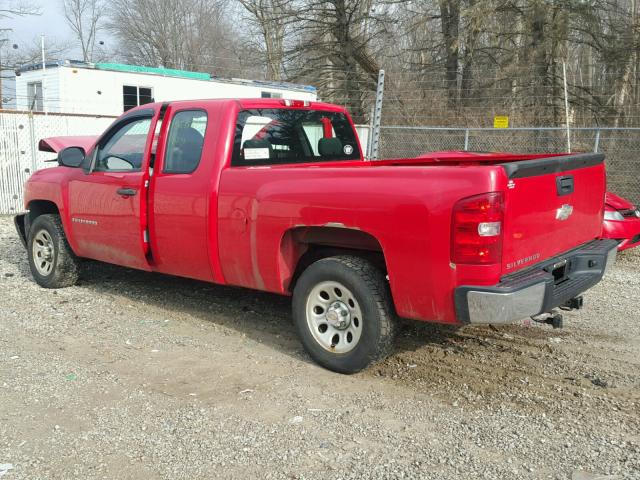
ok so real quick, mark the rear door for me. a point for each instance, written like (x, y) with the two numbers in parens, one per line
(181, 185)
(551, 206)
(108, 205)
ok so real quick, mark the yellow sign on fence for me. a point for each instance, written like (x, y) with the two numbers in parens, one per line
(500, 122)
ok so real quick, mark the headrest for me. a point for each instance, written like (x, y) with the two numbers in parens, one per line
(330, 147)
(189, 136)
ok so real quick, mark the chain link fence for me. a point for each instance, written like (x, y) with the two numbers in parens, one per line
(20, 133)
(620, 146)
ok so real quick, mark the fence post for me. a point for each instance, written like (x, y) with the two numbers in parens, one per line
(466, 139)
(566, 106)
(32, 143)
(377, 114)
(367, 155)
(597, 142)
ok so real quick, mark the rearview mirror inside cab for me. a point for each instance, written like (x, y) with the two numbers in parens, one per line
(71, 157)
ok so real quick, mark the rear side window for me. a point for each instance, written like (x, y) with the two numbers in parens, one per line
(280, 136)
(185, 141)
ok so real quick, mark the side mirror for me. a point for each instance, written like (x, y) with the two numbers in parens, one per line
(71, 157)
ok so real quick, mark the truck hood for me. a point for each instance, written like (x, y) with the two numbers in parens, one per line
(55, 144)
(617, 203)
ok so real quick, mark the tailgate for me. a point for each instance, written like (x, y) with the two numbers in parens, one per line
(551, 206)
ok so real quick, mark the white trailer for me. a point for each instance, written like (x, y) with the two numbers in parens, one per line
(111, 88)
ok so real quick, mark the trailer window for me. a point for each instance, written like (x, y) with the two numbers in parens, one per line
(34, 93)
(133, 96)
(280, 136)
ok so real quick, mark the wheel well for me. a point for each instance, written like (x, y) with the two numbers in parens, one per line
(302, 246)
(37, 208)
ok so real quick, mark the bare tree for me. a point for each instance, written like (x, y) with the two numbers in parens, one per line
(10, 9)
(188, 34)
(17, 8)
(84, 18)
(271, 19)
(452, 62)
(333, 44)
(450, 27)
(31, 52)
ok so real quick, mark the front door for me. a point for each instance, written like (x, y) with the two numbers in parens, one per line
(108, 205)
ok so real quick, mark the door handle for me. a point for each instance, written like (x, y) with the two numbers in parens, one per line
(127, 192)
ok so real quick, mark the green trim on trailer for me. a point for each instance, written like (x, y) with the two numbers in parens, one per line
(169, 72)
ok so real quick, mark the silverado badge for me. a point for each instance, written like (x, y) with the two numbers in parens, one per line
(564, 212)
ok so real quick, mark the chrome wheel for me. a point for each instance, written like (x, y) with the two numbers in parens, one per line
(334, 317)
(43, 252)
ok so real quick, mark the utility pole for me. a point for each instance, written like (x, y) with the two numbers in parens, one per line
(44, 75)
(2, 42)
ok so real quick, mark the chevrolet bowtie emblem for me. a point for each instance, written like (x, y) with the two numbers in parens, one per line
(564, 212)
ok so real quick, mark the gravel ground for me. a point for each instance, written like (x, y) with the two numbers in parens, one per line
(144, 376)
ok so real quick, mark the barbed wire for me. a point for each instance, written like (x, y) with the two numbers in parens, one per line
(412, 98)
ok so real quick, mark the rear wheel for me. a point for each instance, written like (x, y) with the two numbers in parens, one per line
(343, 313)
(52, 263)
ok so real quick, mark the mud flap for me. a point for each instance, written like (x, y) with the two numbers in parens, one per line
(19, 220)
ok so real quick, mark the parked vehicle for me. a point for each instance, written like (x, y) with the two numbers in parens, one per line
(621, 221)
(275, 195)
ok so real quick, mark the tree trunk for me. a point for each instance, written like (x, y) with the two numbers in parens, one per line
(450, 24)
(353, 99)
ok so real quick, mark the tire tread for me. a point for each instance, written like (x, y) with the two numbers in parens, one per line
(374, 279)
(379, 296)
(67, 268)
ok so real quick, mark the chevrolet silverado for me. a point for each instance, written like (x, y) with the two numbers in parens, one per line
(276, 195)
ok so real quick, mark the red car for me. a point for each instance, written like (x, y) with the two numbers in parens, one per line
(275, 195)
(621, 221)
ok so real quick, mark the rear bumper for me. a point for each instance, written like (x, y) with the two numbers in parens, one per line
(535, 290)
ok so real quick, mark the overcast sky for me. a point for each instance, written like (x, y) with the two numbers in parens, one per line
(27, 30)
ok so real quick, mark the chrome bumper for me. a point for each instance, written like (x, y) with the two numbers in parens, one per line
(492, 307)
(535, 290)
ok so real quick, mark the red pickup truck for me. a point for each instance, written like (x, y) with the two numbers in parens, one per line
(275, 195)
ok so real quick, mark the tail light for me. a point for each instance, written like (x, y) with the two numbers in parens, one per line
(476, 234)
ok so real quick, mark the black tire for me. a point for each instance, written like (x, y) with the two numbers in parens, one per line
(64, 264)
(368, 285)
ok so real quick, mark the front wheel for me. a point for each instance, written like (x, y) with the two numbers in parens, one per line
(343, 313)
(52, 263)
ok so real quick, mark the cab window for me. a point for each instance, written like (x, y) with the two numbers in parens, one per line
(281, 136)
(124, 150)
(185, 141)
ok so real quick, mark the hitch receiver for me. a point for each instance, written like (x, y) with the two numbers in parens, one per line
(575, 303)
(552, 318)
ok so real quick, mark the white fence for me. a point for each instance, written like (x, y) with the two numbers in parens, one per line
(20, 133)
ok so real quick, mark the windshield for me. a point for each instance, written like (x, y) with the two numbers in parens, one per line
(278, 136)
